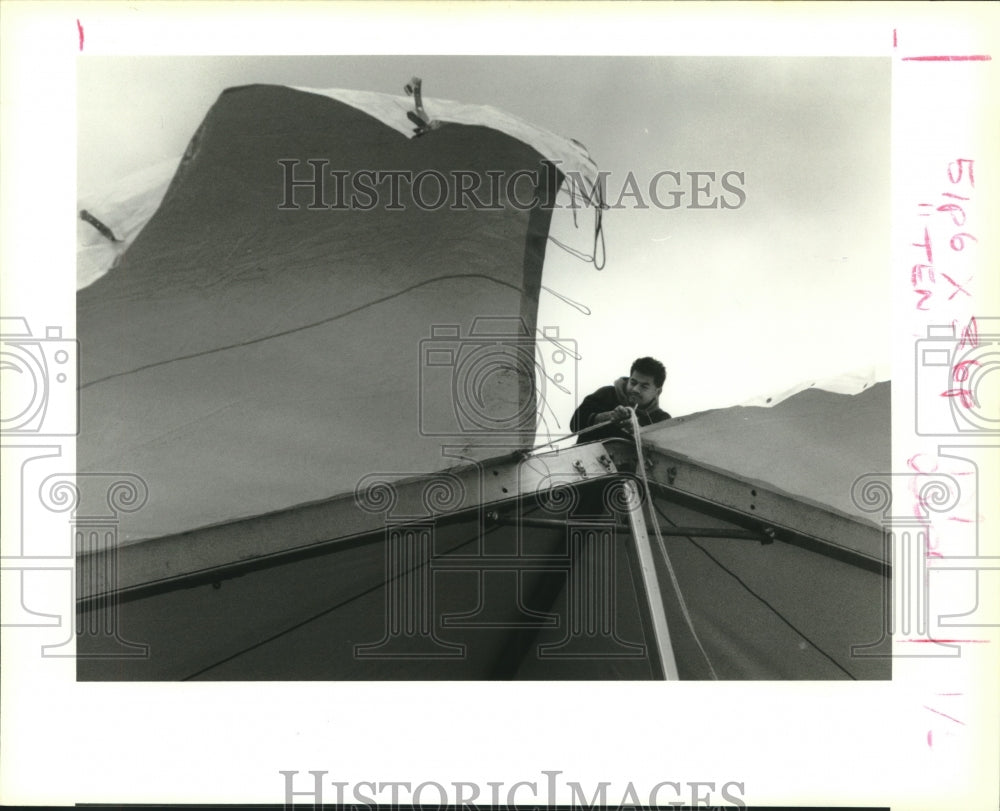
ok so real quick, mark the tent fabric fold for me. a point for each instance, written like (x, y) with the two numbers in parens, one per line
(242, 357)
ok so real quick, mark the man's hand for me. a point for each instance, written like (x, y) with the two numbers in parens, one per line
(619, 414)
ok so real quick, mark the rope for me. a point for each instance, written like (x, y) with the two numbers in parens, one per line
(666, 557)
(656, 530)
(598, 255)
(663, 546)
(581, 432)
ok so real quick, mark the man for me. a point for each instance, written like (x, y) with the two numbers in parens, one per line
(609, 404)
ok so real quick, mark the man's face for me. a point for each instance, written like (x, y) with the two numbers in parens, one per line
(641, 390)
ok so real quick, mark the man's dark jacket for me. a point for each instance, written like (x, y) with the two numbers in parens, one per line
(607, 398)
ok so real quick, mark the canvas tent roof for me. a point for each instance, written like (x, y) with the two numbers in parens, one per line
(785, 609)
(814, 446)
(255, 366)
(276, 354)
(811, 604)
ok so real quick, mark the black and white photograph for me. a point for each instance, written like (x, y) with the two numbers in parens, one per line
(567, 405)
(484, 367)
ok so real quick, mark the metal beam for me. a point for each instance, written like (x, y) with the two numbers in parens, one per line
(797, 521)
(204, 554)
(663, 651)
(763, 537)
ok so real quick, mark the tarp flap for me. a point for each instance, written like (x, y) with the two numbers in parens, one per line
(391, 110)
(242, 358)
(126, 206)
(124, 209)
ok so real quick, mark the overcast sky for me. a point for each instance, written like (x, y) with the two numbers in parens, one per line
(790, 287)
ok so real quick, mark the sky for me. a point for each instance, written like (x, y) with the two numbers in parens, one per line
(741, 304)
